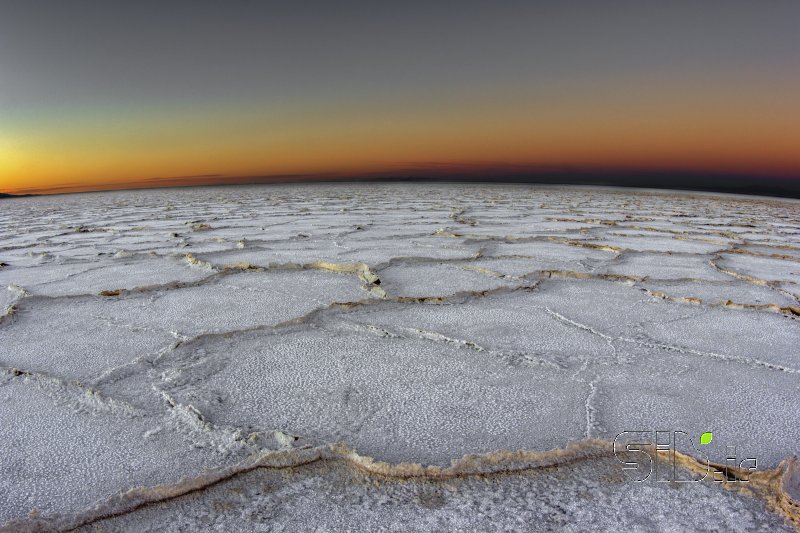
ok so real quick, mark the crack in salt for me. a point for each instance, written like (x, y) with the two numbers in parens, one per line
(731, 358)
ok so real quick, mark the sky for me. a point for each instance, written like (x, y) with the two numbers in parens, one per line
(98, 95)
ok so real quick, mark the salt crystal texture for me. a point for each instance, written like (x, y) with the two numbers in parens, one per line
(405, 357)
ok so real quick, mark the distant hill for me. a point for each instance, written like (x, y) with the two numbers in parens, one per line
(6, 195)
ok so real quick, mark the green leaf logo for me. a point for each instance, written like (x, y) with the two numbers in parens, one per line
(706, 437)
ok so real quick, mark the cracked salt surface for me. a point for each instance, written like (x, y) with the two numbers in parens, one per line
(438, 279)
(396, 399)
(171, 339)
(590, 496)
(720, 293)
(236, 302)
(762, 268)
(64, 450)
(667, 266)
(71, 338)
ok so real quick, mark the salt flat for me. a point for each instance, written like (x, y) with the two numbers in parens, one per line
(327, 351)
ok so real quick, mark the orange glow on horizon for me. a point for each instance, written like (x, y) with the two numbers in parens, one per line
(703, 131)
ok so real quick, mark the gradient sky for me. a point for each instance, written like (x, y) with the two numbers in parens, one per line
(109, 94)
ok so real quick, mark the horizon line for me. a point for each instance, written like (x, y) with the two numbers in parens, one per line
(677, 179)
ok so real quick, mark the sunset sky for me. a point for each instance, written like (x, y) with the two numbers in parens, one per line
(98, 95)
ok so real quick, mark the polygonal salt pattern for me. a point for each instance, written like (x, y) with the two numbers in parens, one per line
(161, 336)
(409, 279)
(394, 398)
